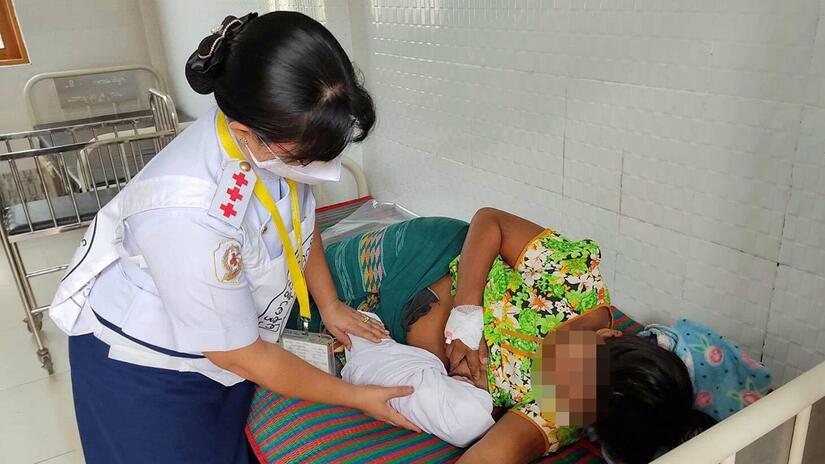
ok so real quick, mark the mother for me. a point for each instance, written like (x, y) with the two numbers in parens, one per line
(531, 281)
(184, 281)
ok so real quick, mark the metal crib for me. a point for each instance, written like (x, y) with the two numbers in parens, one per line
(55, 179)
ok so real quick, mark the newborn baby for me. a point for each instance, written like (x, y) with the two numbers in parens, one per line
(450, 408)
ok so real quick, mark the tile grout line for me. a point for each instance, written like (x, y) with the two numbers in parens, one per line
(29, 382)
(55, 456)
(802, 112)
(564, 134)
(622, 154)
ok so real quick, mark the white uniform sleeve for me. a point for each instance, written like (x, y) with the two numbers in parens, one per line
(194, 261)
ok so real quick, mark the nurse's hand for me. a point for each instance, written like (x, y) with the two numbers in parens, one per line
(373, 401)
(342, 320)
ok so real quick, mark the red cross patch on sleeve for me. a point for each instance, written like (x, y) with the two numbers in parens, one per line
(228, 263)
(233, 193)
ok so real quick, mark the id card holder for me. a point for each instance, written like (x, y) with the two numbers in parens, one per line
(316, 349)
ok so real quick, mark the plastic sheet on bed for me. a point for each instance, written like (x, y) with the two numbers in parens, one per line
(371, 215)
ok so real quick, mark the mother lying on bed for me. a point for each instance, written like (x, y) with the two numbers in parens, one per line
(531, 282)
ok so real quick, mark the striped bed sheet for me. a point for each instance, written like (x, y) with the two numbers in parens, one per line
(286, 430)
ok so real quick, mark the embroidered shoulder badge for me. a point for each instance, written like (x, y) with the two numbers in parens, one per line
(228, 263)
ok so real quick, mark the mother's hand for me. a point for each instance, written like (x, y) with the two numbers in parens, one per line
(476, 359)
(342, 320)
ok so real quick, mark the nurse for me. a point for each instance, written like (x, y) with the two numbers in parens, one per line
(180, 289)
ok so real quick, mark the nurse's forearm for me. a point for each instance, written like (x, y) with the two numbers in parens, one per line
(280, 371)
(276, 369)
(319, 279)
(492, 233)
(339, 319)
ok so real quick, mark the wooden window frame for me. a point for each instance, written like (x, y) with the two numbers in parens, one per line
(14, 51)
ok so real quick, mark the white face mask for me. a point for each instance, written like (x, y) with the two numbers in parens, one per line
(314, 173)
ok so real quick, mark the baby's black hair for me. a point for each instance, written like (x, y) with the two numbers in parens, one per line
(649, 408)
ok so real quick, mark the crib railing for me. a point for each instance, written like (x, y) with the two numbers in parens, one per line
(720, 443)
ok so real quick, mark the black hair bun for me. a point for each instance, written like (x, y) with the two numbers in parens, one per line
(203, 66)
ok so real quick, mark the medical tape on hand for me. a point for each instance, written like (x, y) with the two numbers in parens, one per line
(465, 323)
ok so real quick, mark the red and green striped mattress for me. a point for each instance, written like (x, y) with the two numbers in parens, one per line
(286, 430)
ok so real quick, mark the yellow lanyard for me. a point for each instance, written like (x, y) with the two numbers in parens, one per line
(296, 275)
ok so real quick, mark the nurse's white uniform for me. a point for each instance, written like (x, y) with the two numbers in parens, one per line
(184, 260)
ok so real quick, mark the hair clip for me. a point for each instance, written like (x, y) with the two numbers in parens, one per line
(220, 37)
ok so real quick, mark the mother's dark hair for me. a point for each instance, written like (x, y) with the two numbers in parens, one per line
(649, 404)
(285, 77)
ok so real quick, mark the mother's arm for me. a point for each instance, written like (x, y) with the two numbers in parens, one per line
(492, 233)
(513, 440)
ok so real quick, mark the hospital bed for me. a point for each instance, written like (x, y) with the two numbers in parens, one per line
(286, 430)
(92, 131)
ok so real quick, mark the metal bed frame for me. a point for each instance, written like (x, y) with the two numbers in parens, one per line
(722, 442)
(73, 171)
(39, 116)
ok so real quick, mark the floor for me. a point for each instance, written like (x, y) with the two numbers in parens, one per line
(38, 423)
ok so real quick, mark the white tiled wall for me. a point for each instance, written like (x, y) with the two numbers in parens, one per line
(687, 137)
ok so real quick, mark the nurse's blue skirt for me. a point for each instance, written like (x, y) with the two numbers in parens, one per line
(134, 414)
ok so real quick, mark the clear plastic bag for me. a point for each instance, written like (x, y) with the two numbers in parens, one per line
(372, 215)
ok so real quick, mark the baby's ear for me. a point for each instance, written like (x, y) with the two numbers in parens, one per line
(609, 333)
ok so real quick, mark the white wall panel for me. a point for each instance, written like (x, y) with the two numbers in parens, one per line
(686, 137)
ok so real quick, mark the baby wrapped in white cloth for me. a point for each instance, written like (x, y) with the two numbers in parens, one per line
(451, 409)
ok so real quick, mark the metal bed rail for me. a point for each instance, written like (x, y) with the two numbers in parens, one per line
(119, 159)
(91, 92)
(58, 177)
(26, 218)
(163, 111)
(723, 441)
(55, 179)
(164, 119)
(163, 108)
